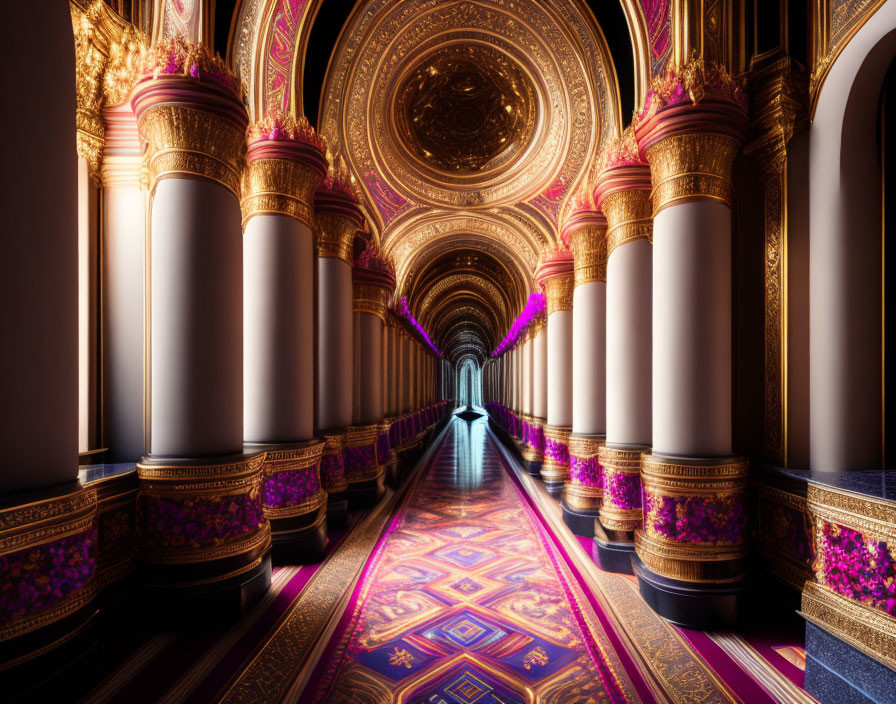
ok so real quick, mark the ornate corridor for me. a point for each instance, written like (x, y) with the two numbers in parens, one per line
(448, 351)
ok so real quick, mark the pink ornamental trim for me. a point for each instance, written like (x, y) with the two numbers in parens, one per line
(405, 312)
(535, 306)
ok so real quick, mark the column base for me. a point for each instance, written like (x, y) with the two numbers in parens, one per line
(201, 603)
(579, 521)
(367, 493)
(837, 672)
(554, 489)
(691, 605)
(614, 552)
(30, 657)
(337, 511)
(393, 473)
(227, 563)
(301, 540)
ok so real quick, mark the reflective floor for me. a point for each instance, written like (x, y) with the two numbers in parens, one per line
(461, 586)
(468, 600)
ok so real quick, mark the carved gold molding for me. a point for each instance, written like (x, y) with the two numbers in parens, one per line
(865, 628)
(779, 96)
(836, 22)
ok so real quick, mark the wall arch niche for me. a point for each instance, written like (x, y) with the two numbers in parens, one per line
(846, 272)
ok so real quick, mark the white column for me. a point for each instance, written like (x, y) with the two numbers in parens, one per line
(528, 350)
(338, 219)
(628, 314)
(279, 305)
(124, 313)
(540, 373)
(692, 402)
(587, 232)
(559, 329)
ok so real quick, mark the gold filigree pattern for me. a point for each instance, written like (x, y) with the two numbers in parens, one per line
(465, 108)
(779, 100)
(589, 249)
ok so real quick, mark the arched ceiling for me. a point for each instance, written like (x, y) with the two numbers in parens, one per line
(467, 125)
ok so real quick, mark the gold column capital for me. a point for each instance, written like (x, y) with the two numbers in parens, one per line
(338, 218)
(689, 167)
(623, 192)
(373, 282)
(285, 166)
(690, 130)
(586, 232)
(190, 113)
(370, 298)
(555, 275)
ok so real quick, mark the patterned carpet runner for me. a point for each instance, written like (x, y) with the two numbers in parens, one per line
(466, 601)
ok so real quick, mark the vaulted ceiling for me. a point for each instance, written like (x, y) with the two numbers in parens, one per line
(468, 127)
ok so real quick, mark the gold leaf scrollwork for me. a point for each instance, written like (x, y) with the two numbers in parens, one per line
(108, 54)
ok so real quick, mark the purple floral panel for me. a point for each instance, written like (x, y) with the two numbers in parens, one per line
(556, 451)
(383, 448)
(858, 568)
(332, 471)
(696, 519)
(290, 488)
(586, 471)
(197, 522)
(358, 459)
(116, 529)
(37, 578)
(622, 490)
(536, 439)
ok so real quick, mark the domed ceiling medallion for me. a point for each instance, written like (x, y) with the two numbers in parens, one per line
(466, 109)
